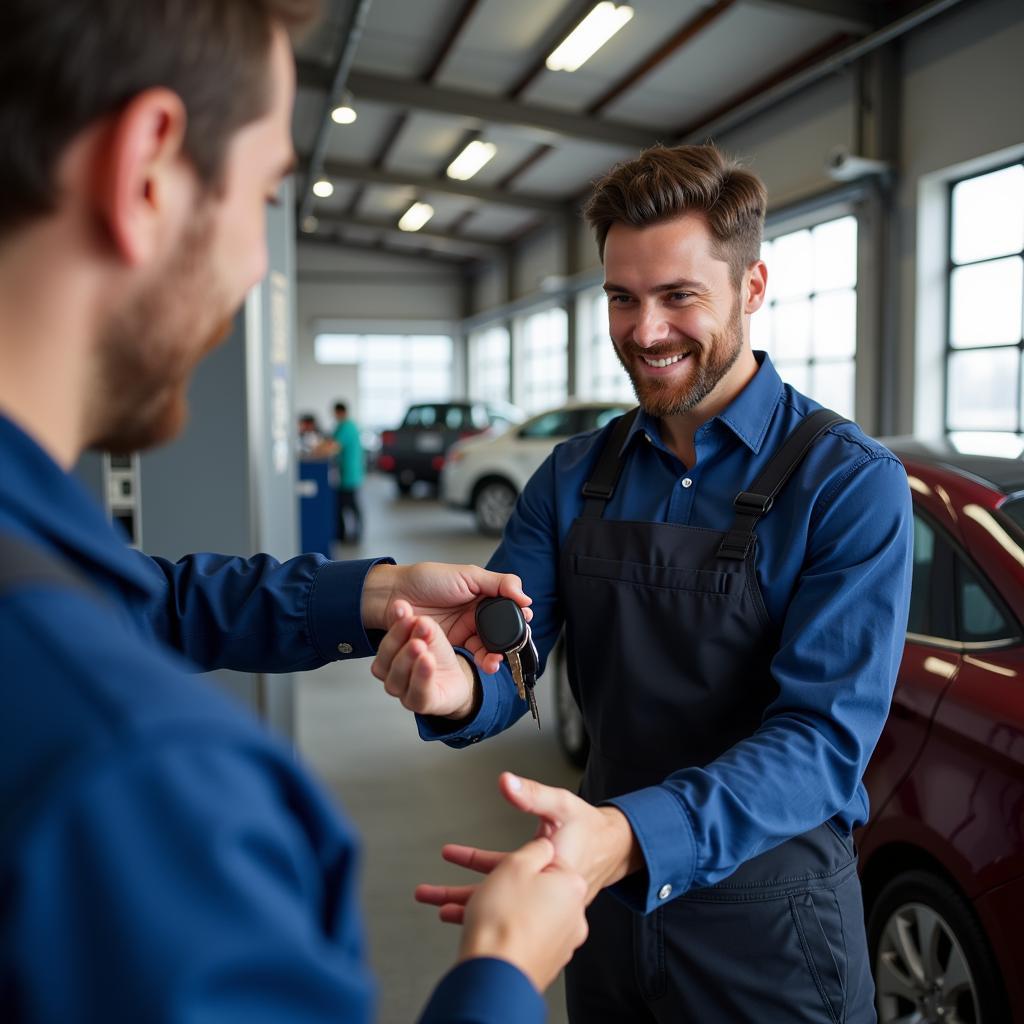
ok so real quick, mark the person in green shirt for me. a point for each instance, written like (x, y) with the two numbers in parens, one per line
(351, 469)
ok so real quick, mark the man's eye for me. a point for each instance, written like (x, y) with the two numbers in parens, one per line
(680, 296)
(617, 300)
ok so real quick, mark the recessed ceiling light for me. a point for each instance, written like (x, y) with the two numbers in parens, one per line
(323, 189)
(416, 216)
(310, 224)
(589, 36)
(471, 159)
(343, 114)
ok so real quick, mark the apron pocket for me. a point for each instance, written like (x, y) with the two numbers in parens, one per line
(667, 576)
(819, 926)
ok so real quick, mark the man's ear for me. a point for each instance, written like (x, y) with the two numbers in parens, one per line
(142, 187)
(755, 283)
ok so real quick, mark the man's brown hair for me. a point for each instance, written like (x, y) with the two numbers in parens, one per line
(66, 63)
(663, 183)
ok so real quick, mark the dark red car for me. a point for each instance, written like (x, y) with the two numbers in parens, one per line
(942, 856)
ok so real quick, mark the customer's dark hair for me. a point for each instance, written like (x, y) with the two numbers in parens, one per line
(66, 63)
(663, 183)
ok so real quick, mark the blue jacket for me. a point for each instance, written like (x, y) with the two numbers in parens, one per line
(834, 560)
(162, 857)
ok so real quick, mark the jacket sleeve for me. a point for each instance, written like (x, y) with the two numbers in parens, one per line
(258, 614)
(485, 991)
(528, 548)
(838, 654)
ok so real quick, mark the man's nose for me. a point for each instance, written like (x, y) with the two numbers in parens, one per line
(651, 325)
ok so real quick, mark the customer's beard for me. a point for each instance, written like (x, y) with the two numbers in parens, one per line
(151, 346)
(660, 398)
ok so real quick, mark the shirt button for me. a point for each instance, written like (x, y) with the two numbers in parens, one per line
(664, 892)
(344, 648)
(686, 482)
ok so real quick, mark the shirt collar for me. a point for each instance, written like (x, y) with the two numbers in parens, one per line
(40, 500)
(747, 415)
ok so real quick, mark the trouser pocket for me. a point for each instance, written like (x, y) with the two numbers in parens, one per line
(818, 920)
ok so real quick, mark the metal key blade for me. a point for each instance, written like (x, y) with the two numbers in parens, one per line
(533, 705)
(517, 672)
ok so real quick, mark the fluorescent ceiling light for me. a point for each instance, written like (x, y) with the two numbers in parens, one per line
(343, 114)
(323, 189)
(471, 159)
(416, 216)
(589, 36)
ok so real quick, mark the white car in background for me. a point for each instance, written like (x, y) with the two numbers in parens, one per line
(485, 474)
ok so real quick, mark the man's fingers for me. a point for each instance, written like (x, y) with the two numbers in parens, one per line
(399, 610)
(452, 914)
(440, 895)
(533, 857)
(534, 797)
(483, 861)
(394, 640)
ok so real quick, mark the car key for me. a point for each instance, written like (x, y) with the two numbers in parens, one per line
(503, 629)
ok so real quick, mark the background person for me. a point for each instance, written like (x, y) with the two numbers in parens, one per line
(733, 634)
(162, 857)
(351, 470)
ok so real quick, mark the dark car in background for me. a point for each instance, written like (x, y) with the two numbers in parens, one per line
(416, 449)
(942, 855)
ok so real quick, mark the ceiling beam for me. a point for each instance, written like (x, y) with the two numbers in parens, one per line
(692, 28)
(336, 241)
(856, 15)
(340, 220)
(380, 176)
(352, 36)
(412, 94)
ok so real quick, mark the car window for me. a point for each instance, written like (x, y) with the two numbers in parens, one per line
(981, 617)
(454, 417)
(932, 605)
(557, 423)
(598, 418)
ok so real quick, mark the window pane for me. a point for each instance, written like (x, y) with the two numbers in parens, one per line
(987, 299)
(988, 215)
(980, 617)
(792, 334)
(336, 348)
(796, 374)
(835, 254)
(792, 266)
(921, 585)
(983, 390)
(982, 442)
(835, 324)
(832, 385)
(543, 359)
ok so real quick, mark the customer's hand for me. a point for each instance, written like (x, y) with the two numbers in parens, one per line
(529, 911)
(418, 667)
(448, 594)
(596, 842)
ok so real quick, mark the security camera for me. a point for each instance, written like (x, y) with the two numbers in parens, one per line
(842, 165)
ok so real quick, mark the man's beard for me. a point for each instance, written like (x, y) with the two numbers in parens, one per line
(150, 347)
(664, 397)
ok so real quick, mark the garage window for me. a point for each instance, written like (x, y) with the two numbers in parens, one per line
(599, 372)
(808, 323)
(985, 338)
(542, 363)
(489, 359)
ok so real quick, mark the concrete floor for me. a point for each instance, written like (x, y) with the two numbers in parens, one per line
(408, 797)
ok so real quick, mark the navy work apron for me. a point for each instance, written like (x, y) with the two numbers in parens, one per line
(669, 651)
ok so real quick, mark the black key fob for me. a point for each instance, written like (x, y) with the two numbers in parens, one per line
(500, 624)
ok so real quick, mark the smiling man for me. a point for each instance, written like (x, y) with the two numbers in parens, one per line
(731, 564)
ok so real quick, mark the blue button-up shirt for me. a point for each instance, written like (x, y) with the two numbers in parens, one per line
(162, 857)
(833, 565)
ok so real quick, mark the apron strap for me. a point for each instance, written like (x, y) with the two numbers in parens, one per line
(753, 504)
(601, 485)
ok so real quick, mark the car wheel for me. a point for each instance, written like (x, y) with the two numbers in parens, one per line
(569, 726)
(929, 955)
(405, 479)
(493, 505)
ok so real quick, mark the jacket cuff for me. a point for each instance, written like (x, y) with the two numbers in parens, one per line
(663, 831)
(485, 991)
(335, 609)
(492, 712)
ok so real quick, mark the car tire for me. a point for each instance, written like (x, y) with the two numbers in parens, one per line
(929, 955)
(492, 504)
(569, 726)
